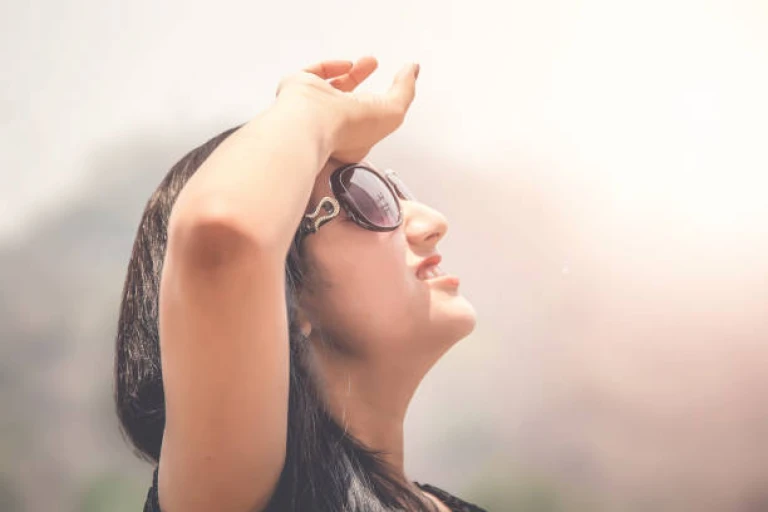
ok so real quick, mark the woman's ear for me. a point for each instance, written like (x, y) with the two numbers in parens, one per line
(305, 325)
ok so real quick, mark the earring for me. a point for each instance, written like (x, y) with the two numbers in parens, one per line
(306, 334)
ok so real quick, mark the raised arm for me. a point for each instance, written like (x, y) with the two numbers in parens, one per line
(223, 319)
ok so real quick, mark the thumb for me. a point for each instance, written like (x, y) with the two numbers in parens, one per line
(403, 88)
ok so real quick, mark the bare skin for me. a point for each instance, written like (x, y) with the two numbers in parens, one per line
(375, 328)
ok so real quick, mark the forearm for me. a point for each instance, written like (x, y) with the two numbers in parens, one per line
(260, 178)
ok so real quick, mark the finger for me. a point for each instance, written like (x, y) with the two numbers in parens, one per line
(403, 88)
(359, 72)
(330, 68)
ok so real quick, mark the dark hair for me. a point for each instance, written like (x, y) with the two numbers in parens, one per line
(326, 468)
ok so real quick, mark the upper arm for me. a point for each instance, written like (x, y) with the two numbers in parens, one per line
(225, 361)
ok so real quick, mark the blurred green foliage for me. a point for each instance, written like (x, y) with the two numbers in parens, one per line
(112, 492)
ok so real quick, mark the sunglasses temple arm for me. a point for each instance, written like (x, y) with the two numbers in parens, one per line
(311, 222)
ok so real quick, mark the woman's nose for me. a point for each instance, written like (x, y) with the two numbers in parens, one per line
(423, 222)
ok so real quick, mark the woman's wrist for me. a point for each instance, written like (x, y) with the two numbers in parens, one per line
(317, 120)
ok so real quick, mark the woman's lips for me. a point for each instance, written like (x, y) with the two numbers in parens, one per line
(426, 264)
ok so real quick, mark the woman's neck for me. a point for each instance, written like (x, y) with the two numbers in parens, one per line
(370, 402)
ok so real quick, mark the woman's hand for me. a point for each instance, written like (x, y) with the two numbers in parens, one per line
(358, 121)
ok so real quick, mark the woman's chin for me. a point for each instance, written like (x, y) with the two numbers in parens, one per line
(459, 306)
(455, 318)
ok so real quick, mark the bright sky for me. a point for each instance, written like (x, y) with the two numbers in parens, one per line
(662, 102)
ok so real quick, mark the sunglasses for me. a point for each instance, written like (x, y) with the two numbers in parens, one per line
(371, 200)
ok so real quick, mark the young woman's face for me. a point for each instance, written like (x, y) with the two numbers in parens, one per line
(367, 298)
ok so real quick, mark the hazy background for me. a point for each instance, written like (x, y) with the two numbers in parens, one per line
(604, 169)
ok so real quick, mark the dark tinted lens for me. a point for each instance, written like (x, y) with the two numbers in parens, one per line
(402, 190)
(370, 197)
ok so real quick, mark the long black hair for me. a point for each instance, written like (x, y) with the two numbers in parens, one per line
(326, 468)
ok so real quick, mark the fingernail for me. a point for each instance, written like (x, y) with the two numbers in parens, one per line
(416, 70)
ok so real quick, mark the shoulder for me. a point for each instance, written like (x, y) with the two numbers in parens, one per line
(152, 501)
(455, 503)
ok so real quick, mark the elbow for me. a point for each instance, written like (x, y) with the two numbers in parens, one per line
(211, 235)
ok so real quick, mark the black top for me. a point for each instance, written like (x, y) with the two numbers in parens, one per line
(455, 504)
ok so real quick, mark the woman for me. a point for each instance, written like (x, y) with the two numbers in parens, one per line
(293, 293)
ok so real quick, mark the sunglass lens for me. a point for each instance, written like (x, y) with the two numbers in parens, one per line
(370, 197)
(402, 189)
